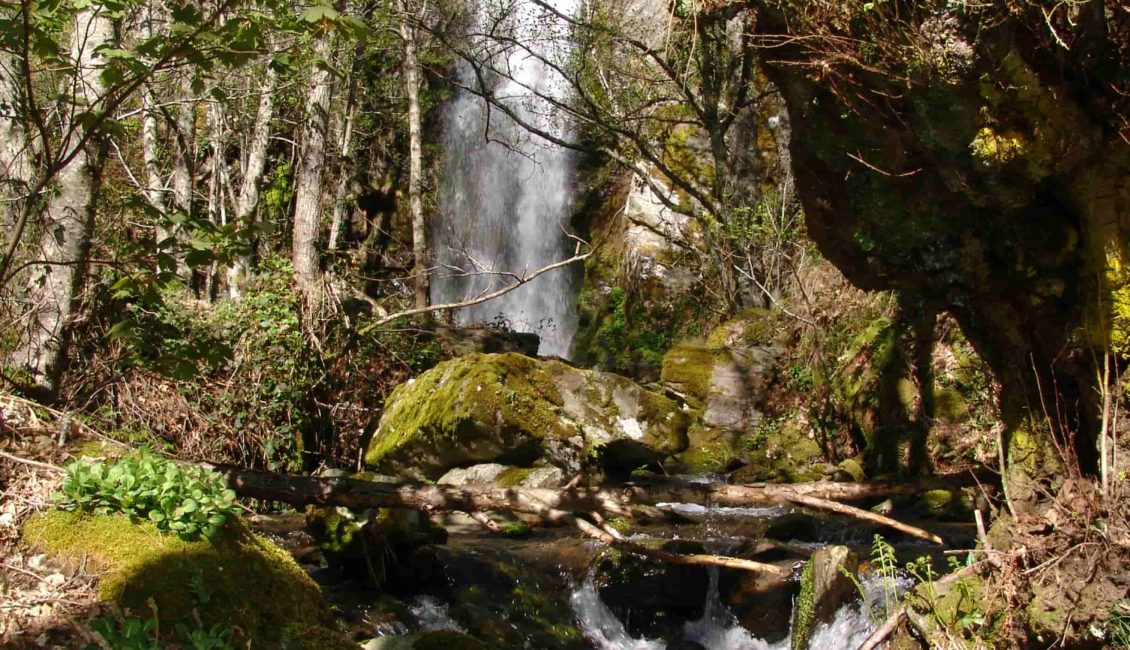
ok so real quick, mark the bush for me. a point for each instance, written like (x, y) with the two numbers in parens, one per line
(186, 500)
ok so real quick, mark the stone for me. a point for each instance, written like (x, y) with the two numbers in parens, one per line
(461, 341)
(514, 410)
(436, 640)
(824, 588)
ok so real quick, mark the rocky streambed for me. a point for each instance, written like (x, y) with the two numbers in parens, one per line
(552, 588)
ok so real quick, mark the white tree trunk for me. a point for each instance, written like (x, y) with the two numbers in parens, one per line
(184, 160)
(248, 199)
(415, 164)
(15, 143)
(309, 182)
(217, 181)
(68, 218)
(343, 167)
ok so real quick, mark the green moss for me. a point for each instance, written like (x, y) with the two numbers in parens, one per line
(853, 468)
(949, 405)
(513, 477)
(804, 612)
(238, 580)
(711, 457)
(450, 404)
(755, 326)
(689, 368)
(946, 503)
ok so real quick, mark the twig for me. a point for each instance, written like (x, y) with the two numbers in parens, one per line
(33, 463)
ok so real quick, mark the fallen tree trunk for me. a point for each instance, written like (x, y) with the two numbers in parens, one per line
(556, 505)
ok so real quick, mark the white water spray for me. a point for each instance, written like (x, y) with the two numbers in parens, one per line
(506, 194)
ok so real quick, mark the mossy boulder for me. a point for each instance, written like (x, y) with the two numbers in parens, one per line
(362, 541)
(824, 588)
(505, 476)
(511, 409)
(726, 383)
(238, 580)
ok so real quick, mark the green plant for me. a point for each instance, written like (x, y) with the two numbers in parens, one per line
(186, 500)
(143, 634)
(1118, 625)
(129, 634)
(885, 565)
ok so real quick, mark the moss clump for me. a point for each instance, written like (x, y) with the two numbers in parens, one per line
(805, 611)
(689, 367)
(949, 405)
(946, 503)
(447, 408)
(513, 477)
(237, 580)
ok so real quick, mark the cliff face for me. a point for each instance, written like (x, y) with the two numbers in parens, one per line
(975, 160)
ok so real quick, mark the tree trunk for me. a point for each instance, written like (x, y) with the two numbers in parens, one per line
(217, 182)
(15, 143)
(68, 218)
(248, 200)
(150, 115)
(344, 165)
(415, 164)
(184, 162)
(309, 183)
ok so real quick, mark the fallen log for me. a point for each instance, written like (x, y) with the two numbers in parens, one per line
(555, 506)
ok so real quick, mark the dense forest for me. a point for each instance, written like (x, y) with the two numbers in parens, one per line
(613, 324)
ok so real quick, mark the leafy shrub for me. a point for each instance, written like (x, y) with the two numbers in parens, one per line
(186, 500)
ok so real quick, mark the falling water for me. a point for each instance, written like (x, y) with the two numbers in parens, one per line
(506, 194)
(719, 629)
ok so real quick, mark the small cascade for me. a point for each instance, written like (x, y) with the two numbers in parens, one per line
(719, 629)
(432, 614)
(505, 194)
(600, 626)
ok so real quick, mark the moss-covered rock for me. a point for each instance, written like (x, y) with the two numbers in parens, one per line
(512, 409)
(237, 580)
(371, 542)
(824, 587)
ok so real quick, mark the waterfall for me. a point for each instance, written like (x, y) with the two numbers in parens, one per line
(506, 194)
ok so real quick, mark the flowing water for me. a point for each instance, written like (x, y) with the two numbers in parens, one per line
(506, 194)
(718, 628)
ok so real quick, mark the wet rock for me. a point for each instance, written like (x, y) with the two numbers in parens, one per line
(794, 527)
(499, 599)
(461, 341)
(360, 541)
(824, 588)
(504, 476)
(760, 601)
(653, 599)
(511, 409)
(438, 640)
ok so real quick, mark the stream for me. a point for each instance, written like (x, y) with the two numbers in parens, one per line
(531, 592)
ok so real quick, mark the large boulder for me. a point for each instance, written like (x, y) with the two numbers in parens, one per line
(514, 410)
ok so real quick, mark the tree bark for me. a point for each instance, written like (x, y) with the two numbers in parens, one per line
(68, 218)
(309, 183)
(344, 165)
(15, 141)
(248, 200)
(415, 163)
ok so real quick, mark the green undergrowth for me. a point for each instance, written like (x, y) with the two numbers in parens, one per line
(235, 580)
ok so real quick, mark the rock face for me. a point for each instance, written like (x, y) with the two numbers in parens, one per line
(512, 409)
(505, 476)
(988, 181)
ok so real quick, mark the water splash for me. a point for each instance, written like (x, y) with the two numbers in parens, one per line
(600, 626)
(432, 614)
(719, 629)
(506, 195)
